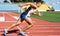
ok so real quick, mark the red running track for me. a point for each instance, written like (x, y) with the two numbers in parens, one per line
(40, 28)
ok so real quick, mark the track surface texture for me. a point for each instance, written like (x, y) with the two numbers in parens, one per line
(40, 27)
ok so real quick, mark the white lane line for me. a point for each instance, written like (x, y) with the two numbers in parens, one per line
(12, 16)
(16, 17)
(45, 35)
(45, 31)
(4, 15)
(2, 19)
(53, 35)
(3, 12)
(48, 25)
(10, 21)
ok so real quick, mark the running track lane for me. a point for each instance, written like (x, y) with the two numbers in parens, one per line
(1, 14)
(40, 28)
(8, 17)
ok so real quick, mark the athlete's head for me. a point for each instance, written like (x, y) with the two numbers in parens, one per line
(38, 3)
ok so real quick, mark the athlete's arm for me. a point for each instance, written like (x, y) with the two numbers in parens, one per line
(33, 5)
(21, 5)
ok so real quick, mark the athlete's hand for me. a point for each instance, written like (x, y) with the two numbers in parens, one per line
(20, 5)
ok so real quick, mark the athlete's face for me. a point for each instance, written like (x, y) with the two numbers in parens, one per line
(38, 4)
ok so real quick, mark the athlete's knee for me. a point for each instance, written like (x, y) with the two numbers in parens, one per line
(31, 25)
(18, 22)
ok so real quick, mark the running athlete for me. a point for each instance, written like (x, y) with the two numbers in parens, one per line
(24, 16)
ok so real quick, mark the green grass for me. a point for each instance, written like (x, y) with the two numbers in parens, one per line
(49, 16)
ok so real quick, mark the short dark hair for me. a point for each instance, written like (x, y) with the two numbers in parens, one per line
(39, 1)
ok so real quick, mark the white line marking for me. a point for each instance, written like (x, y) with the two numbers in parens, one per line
(45, 35)
(3, 15)
(9, 21)
(44, 30)
(2, 19)
(53, 35)
(15, 17)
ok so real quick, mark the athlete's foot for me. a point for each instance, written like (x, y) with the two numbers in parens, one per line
(5, 32)
(22, 33)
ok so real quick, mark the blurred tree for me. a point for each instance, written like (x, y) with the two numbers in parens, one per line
(16, 1)
(25, 0)
(20, 0)
(5, 0)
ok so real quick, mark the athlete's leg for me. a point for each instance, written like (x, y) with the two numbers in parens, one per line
(12, 26)
(16, 24)
(30, 24)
